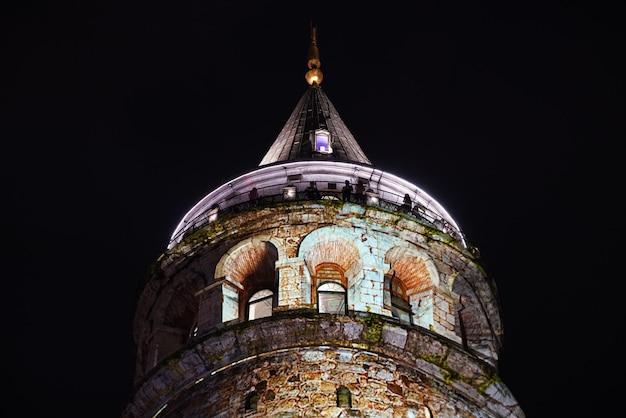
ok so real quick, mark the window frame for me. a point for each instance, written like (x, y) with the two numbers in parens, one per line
(262, 299)
(396, 300)
(322, 136)
(326, 296)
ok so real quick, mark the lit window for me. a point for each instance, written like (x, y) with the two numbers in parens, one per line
(322, 141)
(331, 298)
(260, 304)
(344, 397)
(394, 298)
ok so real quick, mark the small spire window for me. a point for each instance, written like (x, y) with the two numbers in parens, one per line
(322, 141)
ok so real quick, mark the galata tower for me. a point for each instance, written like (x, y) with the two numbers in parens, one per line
(280, 296)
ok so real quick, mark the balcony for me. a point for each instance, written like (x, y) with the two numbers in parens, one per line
(287, 182)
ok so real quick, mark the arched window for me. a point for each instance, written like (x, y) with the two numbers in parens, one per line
(331, 298)
(344, 397)
(395, 299)
(260, 304)
(252, 401)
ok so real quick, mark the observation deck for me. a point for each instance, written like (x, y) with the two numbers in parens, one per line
(288, 181)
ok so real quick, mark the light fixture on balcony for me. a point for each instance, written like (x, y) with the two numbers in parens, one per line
(371, 197)
(212, 213)
(289, 192)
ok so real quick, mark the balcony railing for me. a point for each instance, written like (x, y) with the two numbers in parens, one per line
(294, 192)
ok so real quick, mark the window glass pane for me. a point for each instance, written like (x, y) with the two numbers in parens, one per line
(331, 287)
(400, 302)
(331, 298)
(394, 297)
(230, 305)
(331, 295)
(331, 303)
(260, 305)
(261, 294)
(322, 141)
(403, 316)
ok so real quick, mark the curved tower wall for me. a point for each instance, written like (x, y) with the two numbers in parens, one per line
(193, 322)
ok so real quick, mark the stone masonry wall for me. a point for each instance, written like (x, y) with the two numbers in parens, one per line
(295, 363)
(295, 230)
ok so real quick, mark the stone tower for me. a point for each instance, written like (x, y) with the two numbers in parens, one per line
(304, 303)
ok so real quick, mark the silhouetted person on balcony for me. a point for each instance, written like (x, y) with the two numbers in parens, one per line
(311, 191)
(346, 191)
(254, 196)
(407, 204)
(359, 193)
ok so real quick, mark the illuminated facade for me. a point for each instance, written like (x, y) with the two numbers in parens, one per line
(288, 306)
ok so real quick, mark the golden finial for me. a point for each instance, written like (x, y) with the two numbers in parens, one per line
(314, 76)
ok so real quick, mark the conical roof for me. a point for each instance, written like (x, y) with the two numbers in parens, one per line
(315, 131)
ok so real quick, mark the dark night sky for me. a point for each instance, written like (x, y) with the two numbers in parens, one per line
(117, 117)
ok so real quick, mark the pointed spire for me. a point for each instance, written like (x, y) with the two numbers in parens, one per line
(314, 131)
(314, 76)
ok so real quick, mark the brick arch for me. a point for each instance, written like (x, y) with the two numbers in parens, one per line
(252, 262)
(414, 269)
(250, 259)
(420, 279)
(174, 321)
(181, 309)
(251, 266)
(330, 245)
